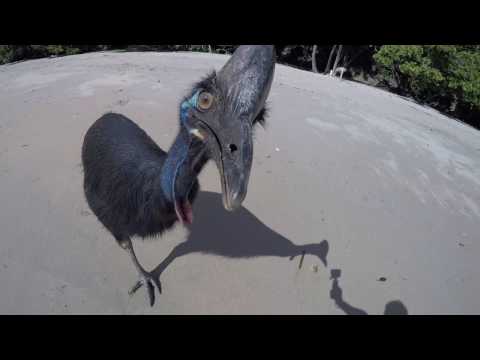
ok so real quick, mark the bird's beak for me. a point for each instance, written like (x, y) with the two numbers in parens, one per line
(233, 153)
(245, 81)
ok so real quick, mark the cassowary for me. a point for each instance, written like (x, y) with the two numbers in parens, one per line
(136, 189)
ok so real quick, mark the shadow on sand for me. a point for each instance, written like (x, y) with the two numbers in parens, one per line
(336, 294)
(242, 235)
(235, 235)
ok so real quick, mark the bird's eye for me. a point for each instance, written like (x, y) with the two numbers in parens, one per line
(205, 101)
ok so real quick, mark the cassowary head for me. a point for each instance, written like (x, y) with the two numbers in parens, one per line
(219, 115)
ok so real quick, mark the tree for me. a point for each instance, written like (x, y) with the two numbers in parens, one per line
(327, 68)
(337, 59)
(446, 77)
(314, 59)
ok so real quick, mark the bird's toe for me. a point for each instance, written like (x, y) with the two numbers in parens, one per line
(151, 293)
(150, 281)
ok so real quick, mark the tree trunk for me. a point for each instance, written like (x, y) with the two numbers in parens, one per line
(345, 61)
(210, 48)
(327, 69)
(314, 59)
(339, 55)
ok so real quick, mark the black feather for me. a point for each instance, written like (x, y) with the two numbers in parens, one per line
(207, 83)
(122, 167)
(261, 118)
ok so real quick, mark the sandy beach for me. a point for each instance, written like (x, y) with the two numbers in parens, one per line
(346, 178)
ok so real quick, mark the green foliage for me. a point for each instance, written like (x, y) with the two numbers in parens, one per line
(61, 50)
(409, 68)
(444, 76)
(465, 78)
(5, 54)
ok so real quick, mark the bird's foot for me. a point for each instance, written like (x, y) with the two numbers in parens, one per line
(147, 279)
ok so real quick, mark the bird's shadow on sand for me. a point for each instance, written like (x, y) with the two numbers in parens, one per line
(242, 235)
(236, 235)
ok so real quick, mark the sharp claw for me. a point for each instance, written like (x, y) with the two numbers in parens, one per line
(149, 281)
(159, 285)
(134, 289)
(151, 293)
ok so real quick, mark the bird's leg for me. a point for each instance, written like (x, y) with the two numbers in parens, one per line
(146, 278)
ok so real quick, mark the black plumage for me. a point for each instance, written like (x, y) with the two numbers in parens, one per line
(136, 189)
(122, 168)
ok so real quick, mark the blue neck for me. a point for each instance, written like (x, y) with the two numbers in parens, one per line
(178, 162)
(186, 105)
(175, 158)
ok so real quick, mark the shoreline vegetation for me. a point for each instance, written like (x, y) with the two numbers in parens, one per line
(444, 77)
